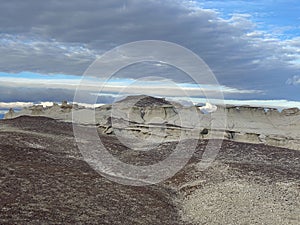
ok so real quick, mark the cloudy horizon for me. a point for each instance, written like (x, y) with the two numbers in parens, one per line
(253, 48)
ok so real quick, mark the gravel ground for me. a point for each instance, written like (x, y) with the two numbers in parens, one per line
(44, 180)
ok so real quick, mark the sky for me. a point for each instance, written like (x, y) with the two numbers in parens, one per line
(252, 48)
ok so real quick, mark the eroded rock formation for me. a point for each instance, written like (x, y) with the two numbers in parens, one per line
(155, 119)
(10, 114)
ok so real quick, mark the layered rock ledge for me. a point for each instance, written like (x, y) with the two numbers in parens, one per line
(154, 119)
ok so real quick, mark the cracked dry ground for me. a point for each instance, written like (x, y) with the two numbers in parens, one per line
(44, 180)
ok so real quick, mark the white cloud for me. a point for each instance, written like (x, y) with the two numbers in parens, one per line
(50, 38)
(208, 108)
(163, 88)
(3, 111)
(279, 104)
(8, 105)
(295, 80)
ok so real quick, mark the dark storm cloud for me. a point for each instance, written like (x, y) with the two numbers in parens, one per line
(36, 95)
(41, 57)
(23, 94)
(66, 36)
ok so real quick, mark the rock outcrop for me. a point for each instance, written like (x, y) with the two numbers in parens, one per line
(155, 119)
(56, 111)
(10, 114)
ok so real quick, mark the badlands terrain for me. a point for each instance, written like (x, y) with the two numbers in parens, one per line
(254, 179)
(144, 116)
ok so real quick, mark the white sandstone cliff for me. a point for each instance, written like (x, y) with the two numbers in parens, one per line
(145, 117)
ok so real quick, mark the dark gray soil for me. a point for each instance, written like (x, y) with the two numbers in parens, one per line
(44, 180)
